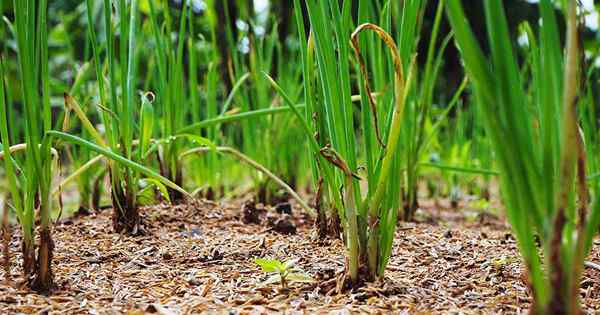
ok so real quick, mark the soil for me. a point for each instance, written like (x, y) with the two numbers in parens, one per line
(199, 258)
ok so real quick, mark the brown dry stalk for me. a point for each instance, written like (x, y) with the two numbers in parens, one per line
(242, 157)
(321, 221)
(583, 199)
(389, 41)
(334, 158)
(557, 274)
(44, 279)
(28, 252)
(583, 195)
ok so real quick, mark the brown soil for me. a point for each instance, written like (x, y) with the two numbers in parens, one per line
(200, 258)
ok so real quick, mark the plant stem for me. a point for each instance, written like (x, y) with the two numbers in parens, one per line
(258, 167)
(400, 91)
(565, 298)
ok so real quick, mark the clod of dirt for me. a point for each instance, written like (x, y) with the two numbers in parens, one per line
(167, 256)
(284, 208)
(214, 255)
(250, 213)
(282, 224)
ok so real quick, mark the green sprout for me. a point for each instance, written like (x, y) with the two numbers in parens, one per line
(283, 272)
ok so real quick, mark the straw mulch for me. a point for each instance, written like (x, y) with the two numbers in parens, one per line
(199, 258)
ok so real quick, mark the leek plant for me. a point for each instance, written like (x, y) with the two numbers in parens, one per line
(117, 107)
(538, 145)
(117, 116)
(30, 178)
(368, 217)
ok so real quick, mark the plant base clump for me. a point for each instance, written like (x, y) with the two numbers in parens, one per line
(43, 281)
(544, 186)
(127, 222)
(125, 216)
(126, 219)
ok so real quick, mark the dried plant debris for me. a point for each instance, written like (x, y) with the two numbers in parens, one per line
(201, 259)
(281, 223)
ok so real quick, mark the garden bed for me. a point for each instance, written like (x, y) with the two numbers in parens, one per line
(200, 258)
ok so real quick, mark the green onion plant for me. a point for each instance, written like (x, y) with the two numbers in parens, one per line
(368, 218)
(538, 146)
(118, 104)
(30, 177)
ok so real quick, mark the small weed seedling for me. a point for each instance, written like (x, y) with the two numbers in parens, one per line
(282, 272)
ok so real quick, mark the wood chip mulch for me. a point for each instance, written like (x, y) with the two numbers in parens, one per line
(199, 258)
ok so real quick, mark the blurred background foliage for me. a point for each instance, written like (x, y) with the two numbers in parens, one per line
(239, 37)
(247, 20)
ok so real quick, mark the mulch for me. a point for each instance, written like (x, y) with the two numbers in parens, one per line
(199, 258)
